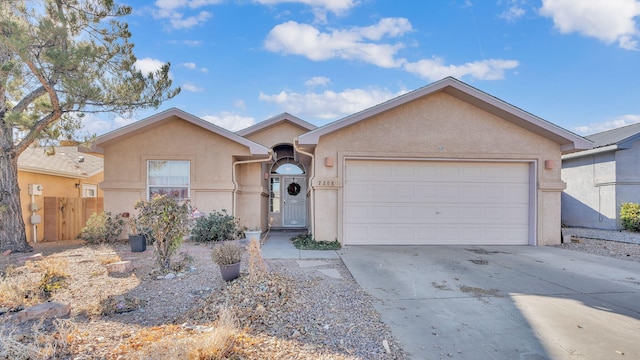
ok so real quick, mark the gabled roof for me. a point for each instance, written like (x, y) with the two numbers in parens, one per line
(620, 136)
(254, 148)
(275, 120)
(567, 140)
(65, 161)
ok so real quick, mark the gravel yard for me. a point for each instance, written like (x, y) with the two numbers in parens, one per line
(615, 249)
(294, 311)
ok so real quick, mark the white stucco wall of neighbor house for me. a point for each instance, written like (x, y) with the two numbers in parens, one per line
(590, 197)
(597, 185)
(628, 176)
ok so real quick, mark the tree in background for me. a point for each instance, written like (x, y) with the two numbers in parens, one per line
(59, 60)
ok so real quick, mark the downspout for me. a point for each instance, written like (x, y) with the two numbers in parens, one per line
(310, 185)
(235, 183)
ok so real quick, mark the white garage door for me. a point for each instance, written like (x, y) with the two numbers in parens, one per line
(395, 202)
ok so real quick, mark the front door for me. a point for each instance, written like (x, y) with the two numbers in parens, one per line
(294, 195)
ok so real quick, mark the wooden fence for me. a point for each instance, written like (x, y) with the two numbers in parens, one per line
(65, 217)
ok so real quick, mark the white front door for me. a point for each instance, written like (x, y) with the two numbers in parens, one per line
(294, 195)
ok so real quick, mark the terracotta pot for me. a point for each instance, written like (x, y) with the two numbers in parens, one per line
(230, 272)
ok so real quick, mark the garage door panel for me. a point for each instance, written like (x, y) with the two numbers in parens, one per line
(414, 202)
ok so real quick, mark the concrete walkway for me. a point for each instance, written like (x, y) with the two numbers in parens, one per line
(279, 246)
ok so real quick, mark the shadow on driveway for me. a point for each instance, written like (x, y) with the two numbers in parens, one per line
(502, 302)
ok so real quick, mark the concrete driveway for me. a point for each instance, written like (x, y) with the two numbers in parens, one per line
(502, 302)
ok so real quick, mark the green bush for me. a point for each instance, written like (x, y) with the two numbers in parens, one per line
(306, 242)
(217, 226)
(167, 222)
(102, 228)
(630, 216)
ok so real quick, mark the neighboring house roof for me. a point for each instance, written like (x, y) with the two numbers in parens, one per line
(65, 161)
(610, 140)
(567, 140)
(275, 120)
(615, 136)
(254, 148)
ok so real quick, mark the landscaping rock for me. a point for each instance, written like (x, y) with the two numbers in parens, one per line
(120, 267)
(45, 310)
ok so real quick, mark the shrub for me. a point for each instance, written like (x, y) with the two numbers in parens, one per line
(217, 226)
(102, 228)
(227, 253)
(630, 216)
(306, 242)
(167, 222)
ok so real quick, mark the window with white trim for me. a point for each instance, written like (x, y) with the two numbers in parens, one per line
(89, 191)
(168, 177)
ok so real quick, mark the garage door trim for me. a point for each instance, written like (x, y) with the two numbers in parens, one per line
(532, 194)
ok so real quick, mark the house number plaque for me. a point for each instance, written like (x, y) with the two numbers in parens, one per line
(327, 182)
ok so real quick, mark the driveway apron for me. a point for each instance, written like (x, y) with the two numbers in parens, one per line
(502, 302)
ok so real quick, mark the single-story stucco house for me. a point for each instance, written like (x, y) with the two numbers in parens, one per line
(58, 190)
(444, 164)
(601, 179)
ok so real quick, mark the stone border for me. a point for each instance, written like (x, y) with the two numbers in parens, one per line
(613, 235)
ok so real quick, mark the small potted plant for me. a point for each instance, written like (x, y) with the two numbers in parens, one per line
(254, 232)
(228, 255)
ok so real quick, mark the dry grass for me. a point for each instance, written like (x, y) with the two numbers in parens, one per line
(41, 343)
(218, 341)
(34, 285)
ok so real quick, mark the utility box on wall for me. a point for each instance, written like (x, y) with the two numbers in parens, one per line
(35, 189)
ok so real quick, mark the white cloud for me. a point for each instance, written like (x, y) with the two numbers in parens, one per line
(329, 105)
(436, 69)
(192, 43)
(240, 104)
(191, 87)
(609, 21)
(306, 40)
(335, 6)
(607, 125)
(320, 8)
(172, 10)
(230, 121)
(93, 124)
(513, 13)
(193, 66)
(317, 81)
(149, 66)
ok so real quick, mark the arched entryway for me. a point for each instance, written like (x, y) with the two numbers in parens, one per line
(287, 189)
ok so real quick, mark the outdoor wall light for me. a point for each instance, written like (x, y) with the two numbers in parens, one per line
(549, 164)
(328, 161)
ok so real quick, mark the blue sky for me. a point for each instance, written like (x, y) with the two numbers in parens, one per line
(575, 63)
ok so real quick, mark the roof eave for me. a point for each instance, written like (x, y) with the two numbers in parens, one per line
(254, 148)
(567, 140)
(274, 120)
(589, 152)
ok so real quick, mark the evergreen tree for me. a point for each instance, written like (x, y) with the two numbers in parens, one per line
(59, 60)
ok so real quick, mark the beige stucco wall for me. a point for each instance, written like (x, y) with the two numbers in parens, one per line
(436, 127)
(211, 155)
(54, 186)
(280, 133)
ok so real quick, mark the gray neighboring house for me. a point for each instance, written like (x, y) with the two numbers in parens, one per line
(601, 179)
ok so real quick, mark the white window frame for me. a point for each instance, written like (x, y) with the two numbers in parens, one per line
(89, 191)
(187, 187)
